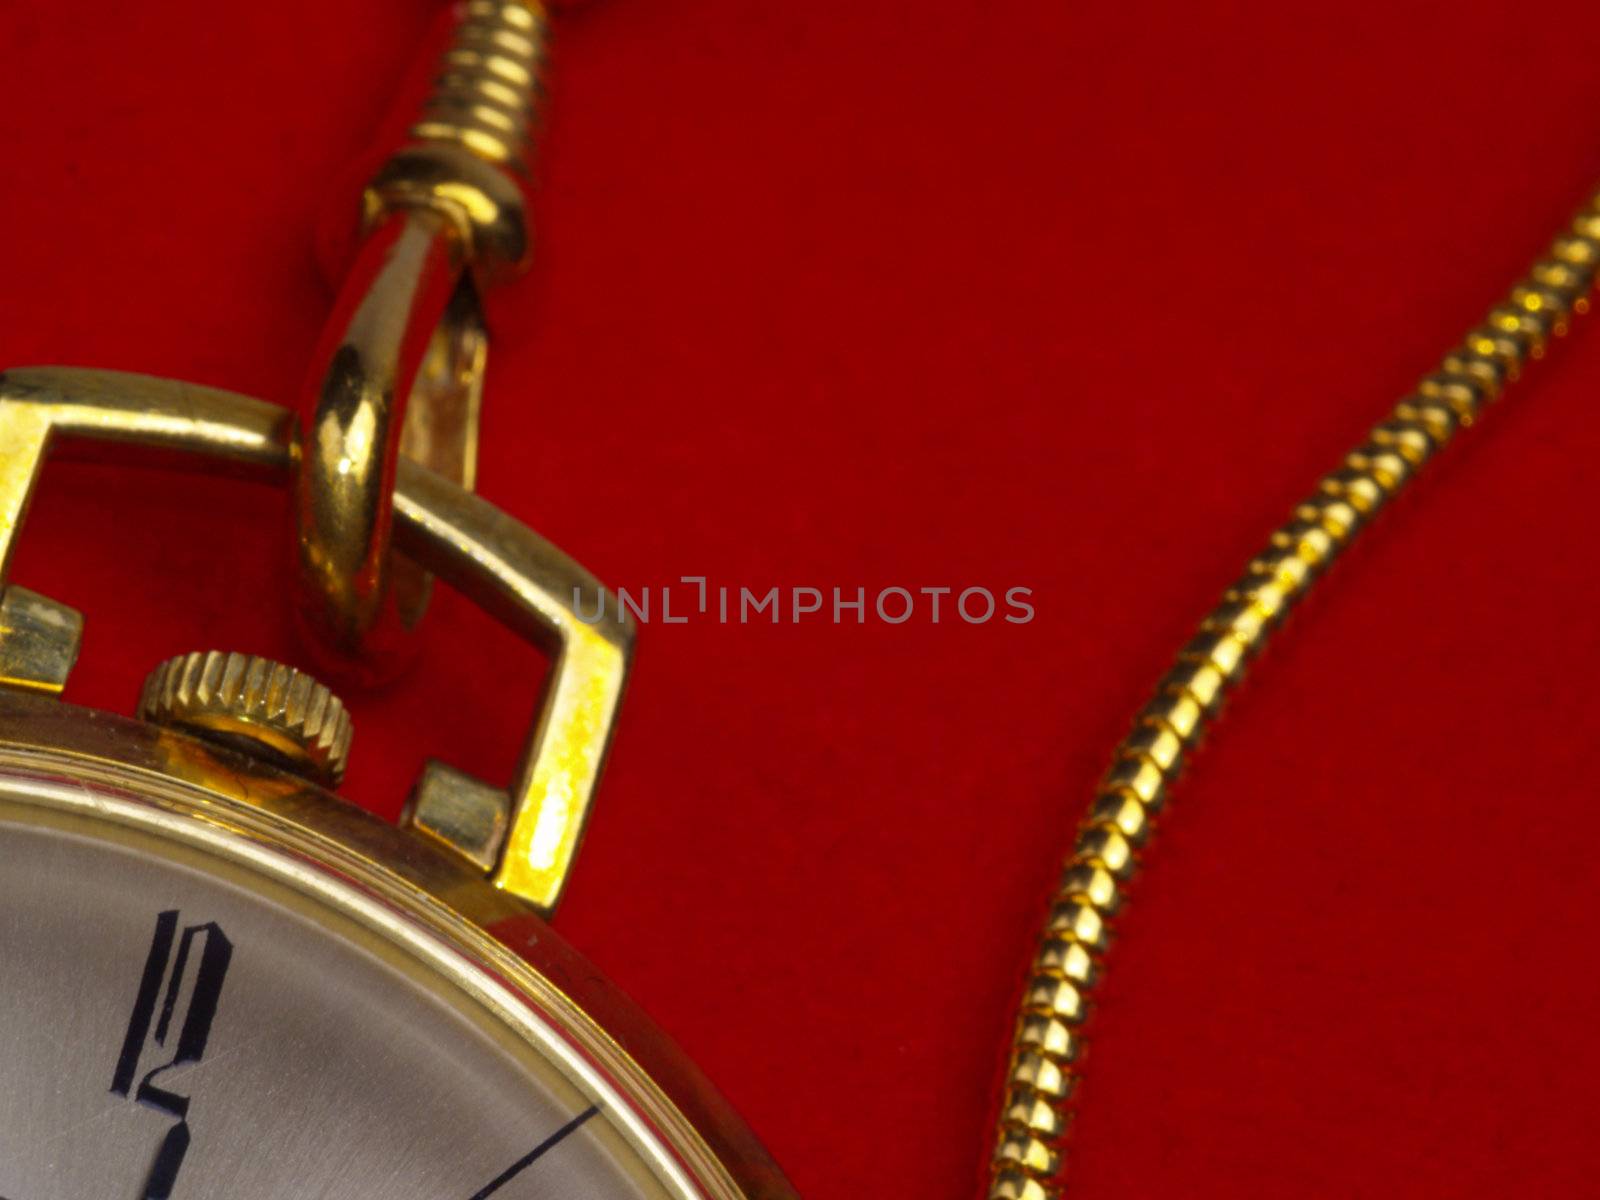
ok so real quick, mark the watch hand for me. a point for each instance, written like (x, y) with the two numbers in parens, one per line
(533, 1155)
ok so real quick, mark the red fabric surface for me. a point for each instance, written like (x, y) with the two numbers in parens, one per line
(1078, 298)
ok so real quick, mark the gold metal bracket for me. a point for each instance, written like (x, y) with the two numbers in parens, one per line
(527, 836)
(39, 641)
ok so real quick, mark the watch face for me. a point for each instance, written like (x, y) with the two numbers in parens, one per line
(205, 1016)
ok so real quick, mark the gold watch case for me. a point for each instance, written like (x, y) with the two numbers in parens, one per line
(117, 779)
(464, 884)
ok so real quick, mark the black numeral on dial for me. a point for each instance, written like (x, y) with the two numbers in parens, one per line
(201, 960)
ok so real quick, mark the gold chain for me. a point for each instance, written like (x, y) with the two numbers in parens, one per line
(1043, 1069)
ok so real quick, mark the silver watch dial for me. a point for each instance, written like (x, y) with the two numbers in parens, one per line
(174, 1024)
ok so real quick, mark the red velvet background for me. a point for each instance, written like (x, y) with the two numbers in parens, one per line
(1073, 297)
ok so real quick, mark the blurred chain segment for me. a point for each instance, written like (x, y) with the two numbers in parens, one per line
(470, 149)
(1043, 1070)
(487, 90)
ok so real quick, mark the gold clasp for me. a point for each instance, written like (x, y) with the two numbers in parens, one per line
(399, 371)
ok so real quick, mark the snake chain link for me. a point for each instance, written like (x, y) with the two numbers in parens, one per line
(1043, 1068)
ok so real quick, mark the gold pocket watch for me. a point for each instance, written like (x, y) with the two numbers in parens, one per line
(222, 979)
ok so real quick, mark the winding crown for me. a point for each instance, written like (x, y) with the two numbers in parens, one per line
(253, 704)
